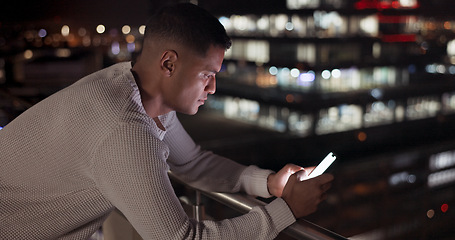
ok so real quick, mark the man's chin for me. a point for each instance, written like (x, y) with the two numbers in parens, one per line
(189, 112)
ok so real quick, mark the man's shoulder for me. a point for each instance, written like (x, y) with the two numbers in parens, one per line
(110, 72)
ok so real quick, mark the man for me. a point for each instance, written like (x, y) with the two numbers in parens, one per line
(109, 140)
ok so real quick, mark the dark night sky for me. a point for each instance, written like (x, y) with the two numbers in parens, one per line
(83, 12)
(111, 13)
(135, 12)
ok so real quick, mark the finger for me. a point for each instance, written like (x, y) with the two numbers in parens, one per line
(294, 177)
(325, 178)
(292, 168)
(302, 175)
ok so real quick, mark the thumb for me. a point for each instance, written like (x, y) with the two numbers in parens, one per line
(295, 177)
(301, 175)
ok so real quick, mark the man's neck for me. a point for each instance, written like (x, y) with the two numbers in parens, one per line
(152, 104)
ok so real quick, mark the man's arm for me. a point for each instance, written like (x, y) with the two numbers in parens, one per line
(130, 170)
(208, 171)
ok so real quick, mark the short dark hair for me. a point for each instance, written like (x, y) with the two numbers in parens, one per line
(189, 25)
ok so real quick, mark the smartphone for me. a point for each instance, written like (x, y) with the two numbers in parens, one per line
(323, 165)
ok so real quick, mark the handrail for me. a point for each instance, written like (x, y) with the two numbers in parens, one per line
(243, 203)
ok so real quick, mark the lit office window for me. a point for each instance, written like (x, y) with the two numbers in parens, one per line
(422, 107)
(332, 23)
(409, 3)
(306, 52)
(448, 102)
(441, 178)
(442, 160)
(302, 4)
(300, 124)
(339, 119)
(370, 25)
(250, 50)
(379, 113)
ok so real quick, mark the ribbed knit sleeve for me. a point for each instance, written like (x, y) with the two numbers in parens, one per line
(209, 171)
(200, 168)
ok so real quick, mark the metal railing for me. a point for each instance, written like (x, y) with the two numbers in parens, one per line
(243, 203)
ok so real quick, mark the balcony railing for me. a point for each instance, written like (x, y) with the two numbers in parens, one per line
(243, 203)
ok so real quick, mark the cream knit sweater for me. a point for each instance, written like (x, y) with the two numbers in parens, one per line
(68, 161)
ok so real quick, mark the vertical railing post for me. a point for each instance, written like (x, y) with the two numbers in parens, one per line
(198, 208)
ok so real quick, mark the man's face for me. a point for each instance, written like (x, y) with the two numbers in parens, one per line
(194, 79)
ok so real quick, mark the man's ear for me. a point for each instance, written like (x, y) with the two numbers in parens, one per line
(168, 60)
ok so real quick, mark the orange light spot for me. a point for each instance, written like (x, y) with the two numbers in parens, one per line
(290, 98)
(362, 136)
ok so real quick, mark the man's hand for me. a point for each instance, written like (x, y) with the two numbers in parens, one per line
(303, 197)
(277, 181)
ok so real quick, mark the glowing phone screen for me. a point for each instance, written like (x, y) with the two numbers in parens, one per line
(325, 163)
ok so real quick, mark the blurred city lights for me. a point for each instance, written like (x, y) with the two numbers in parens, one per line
(440, 68)
(240, 22)
(408, 3)
(326, 74)
(65, 30)
(290, 98)
(451, 48)
(126, 29)
(100, 29)
(115, 48)
(444, 207)
(441, 178)
(280, 22)
(258, 52)
(295, 72)
(376, 93)
(42, 33)
(273, 70)
(82, 32)
(362, 136)
(289, 26)
(370, 25)
(131, 47)
(86, 41)
(336, 73)
(130, 38)
(442, 160)
(301, 4)
(430, 68)
(307, 77)
(402, 177)
(28, 54)
(284, 72)
(263, 23)
(63, 52)
(142, 29)
(452, 69)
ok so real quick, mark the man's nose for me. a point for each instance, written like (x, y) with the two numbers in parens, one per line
(211, 86)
